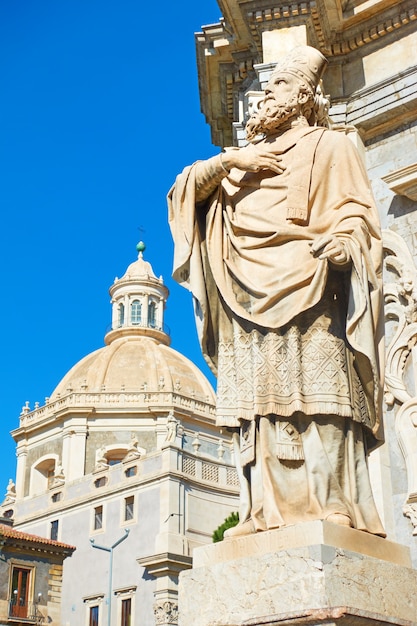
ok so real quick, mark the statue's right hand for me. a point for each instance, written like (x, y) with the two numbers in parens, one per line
(252, 159)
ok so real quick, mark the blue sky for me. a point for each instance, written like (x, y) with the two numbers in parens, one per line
(99, 112)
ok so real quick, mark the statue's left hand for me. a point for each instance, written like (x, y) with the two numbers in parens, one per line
(332, 248)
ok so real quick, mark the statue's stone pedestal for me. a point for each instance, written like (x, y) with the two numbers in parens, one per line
(311, 573)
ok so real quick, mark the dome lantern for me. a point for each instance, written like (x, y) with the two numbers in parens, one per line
(138, 302)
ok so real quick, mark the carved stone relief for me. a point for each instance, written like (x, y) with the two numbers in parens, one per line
(400, 287)
(166, 612)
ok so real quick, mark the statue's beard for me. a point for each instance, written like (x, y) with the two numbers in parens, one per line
(271, 117)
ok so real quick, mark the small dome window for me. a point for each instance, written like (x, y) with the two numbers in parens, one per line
(136, 312)
(152, 314)
(121, 316)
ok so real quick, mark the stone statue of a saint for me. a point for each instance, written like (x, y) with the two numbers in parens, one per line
(172, 427)
(133, 452)
(11, 488)
(58, 478)
(101, 460)
(279, 243)
(10, 492)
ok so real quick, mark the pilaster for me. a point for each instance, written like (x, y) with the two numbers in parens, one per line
(21, 454)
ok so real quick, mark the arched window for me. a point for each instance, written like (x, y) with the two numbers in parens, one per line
(121, 320)
(152, 314)
(42, 475)
(136, 312)
(116, 455)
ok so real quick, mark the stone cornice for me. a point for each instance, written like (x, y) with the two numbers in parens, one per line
(165, 563)
(81, 492)
(276, 15)
(227, 51)
(138, 331)
(378, 109)
(332, 29)
(403, 181)
(140, 402)
(364, 33)
(223, 62)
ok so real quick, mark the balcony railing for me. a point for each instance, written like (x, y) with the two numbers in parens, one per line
(140, 324)
(28, 613)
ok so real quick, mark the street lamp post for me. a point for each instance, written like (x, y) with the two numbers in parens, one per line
(106, 549)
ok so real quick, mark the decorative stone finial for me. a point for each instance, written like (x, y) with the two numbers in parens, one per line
(141, 247)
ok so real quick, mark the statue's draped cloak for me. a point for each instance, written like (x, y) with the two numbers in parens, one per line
(244, 253)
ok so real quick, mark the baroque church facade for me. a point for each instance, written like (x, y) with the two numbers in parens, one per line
(125, 463)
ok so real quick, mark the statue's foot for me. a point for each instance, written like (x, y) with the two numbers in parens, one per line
(245, 528)
(340, 518)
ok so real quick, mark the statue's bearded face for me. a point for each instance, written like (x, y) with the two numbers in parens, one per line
(282, 103)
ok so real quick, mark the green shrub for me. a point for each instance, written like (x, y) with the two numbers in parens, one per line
(229, 522)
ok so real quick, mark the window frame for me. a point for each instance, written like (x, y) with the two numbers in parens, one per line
(22, 566)
(136, 313)
(131, 471)
(115, 454)
(125, 504)
(54, 529)
(126, 618)
(93, 621)
(97, 529)
(100, 482)
(91, 602)
(126, 593)
(152, 314)
(42, 473)
(120, 315)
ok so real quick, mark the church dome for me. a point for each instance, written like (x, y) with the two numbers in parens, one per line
(137, 357)
(133, 364)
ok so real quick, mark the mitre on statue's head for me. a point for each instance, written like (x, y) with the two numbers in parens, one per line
(304, 62)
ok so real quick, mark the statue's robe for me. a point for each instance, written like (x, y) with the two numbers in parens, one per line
(291, 338)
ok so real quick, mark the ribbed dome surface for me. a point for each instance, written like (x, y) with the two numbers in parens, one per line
(136, 363)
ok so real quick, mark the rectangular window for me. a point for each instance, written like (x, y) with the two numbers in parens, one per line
(93, 621)
(19, 596)
(126, 612)
(54, 530)
(129, 508)
(98, 518)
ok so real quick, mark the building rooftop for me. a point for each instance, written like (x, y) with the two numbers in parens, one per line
(7, 532)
